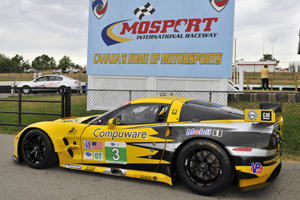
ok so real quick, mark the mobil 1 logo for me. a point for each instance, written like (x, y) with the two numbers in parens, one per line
(266, 115)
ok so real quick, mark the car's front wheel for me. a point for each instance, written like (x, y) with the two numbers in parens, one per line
(26, 90)
(204, 167)
(37, 150)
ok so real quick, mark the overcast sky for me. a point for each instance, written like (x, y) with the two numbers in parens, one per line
(59, 27)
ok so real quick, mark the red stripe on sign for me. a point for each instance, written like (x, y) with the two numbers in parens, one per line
(100, 12)
(221, 3)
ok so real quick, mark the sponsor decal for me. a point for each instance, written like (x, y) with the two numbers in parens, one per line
(271, 161)
(142, 11)
(73, 166)
(146, 177)
(86, 144)
(119, 134)
(73, 131)
(90, 169)
(256, 168)
(217, 133)
(219, 5)
(174, 112)
(116, 152)
(266, 115)
(97, 145)
(98, 156)
(198, 132)
(88, 155)
(252, 115)
(99, 8)
(51, 84)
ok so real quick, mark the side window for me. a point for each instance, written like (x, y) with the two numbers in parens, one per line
(136, 114)
(53, 78)
(45, 78)
(162, 115)
(59, 78)
(142, 114)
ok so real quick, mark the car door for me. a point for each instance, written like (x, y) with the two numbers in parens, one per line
(55, 81)
(137, 140)
(40, 82)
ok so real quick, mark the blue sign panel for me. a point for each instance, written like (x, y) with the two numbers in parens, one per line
(161, 38)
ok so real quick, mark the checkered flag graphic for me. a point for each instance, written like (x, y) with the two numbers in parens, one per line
(142, 11)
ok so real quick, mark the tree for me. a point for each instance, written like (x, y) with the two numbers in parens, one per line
(65, 62)
(6, 65)
(269, 57)
(43, 62)
(20, 63)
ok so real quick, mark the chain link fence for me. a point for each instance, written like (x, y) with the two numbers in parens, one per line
(99, 101)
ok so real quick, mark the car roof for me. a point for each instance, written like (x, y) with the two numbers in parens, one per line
(57, 76)
(161, 99)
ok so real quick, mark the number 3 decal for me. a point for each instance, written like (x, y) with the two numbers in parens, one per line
(116, 152)
(116, 157)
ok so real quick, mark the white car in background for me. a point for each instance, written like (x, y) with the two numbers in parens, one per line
(70, 70)
(47, 81)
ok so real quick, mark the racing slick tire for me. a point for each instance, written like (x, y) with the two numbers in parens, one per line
(204, 167)
(26, 89)
(37, 150)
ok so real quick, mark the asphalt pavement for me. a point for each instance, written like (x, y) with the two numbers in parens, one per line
(18, 181)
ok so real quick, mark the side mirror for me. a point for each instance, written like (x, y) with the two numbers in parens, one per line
(112, 122)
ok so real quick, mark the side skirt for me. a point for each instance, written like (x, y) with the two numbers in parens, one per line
(151, 176)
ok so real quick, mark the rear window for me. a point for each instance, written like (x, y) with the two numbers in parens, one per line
(197, 110)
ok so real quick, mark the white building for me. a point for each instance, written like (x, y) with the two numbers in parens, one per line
(257, 66)
(294, 66)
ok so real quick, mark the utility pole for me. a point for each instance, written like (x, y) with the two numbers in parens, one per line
(235, 50)
(299, 43)
(272, 40)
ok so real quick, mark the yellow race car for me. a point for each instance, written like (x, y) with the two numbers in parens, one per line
(205, 144)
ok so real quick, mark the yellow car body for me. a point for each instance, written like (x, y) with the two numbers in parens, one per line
(201, 142)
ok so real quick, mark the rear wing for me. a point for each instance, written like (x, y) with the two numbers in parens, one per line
(266, 113)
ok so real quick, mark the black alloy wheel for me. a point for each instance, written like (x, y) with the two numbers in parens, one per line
(204, 167)
(37, 150)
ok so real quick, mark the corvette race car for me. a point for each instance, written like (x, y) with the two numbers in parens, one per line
(204, 144)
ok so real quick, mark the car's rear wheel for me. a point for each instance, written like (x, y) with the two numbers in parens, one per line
(61, 89)
(26, 90)
(204, 167)
(37, 150)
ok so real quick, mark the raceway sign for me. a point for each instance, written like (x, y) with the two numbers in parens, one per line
(161, 38)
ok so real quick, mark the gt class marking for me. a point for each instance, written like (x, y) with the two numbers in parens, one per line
(98, 156)
(198, 132)
(120, 134)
